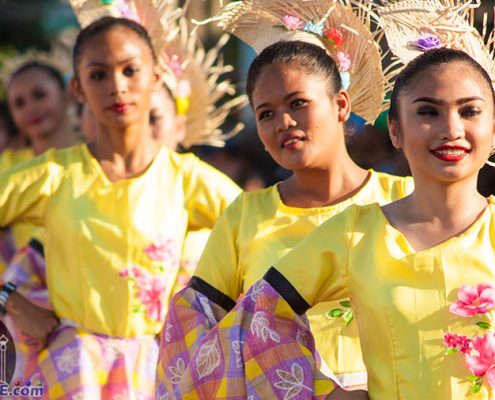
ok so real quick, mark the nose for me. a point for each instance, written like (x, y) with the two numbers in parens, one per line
(118, 84)
(285, 123)
(454, 128)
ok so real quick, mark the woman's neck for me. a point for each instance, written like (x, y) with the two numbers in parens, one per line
(436, 211)
(124, 153)
(320, 187)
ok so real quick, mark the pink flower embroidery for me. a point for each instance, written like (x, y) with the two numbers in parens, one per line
(162, 250)
(150, 294)
(481, 361)
(292, 22)
(459, 342)
(473, 300)
(150, 290)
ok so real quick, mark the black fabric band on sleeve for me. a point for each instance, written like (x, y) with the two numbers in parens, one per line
(213, 294)
(286, 290)
(36, 245)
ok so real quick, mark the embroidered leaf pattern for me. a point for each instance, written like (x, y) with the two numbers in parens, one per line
(236, 348)
(208, 357)
(302, 337)
(291, 381)
(177, 372)
(256, 290)
(260, 328)
(167, 332)
(205, 303)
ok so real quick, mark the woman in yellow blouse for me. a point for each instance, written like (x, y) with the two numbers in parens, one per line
(114, 213)
(295, 90)
(37, 99)
(401, 264)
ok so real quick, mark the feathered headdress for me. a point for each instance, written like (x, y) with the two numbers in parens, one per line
(413, 26)
(342, 27)
(191, 74)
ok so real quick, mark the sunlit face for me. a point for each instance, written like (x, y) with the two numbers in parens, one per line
(446, 130)
(37, 103)
(300, 125)
(116, 78)
(167, 128)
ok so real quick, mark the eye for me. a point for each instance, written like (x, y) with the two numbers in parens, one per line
(298, 103)
(97, 75)
(39, 94)
(19, 103)
(154, 118)
(264, 115)
(469, 112)
(130, 71)
(427, 111)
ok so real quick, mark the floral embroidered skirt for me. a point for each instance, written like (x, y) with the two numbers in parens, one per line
(261, 349)
(80, 365)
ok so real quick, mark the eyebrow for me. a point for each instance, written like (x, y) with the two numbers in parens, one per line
(285, 98)
(102, 64)
(440, 102)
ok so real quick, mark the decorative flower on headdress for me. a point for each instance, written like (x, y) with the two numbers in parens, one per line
(332, 35)
(335, 25)
(425, 42)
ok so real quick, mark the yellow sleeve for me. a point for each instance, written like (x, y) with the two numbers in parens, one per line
(218, 265)
(316, 270)
(24, 189)
(208, 193)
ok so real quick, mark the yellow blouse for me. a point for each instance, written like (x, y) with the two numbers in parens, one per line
(258, 229)
(20, 233)
(400, 297)
(112, 249)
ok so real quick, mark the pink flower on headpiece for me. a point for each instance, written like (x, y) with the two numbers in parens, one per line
(126, 12)
(473, 300)
(335, 35)
(292, 22)
(175, 65)
(459, 342)
(344, 61)
(183, 88)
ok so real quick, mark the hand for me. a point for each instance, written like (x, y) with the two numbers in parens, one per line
(33, 321)
(34, 345)
(341, 394)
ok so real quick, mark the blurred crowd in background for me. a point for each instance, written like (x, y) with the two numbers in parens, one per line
(38, 25)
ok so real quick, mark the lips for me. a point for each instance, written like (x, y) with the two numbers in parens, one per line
(451, 153)
(120, 108)
(36, 121)
(291, 141)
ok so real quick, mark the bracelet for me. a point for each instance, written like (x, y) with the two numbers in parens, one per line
(5, 292)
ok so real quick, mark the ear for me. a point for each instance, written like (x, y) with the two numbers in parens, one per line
(76, 89)
(344, 104)
(157, 78)
(394, 132)
(180, 127)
